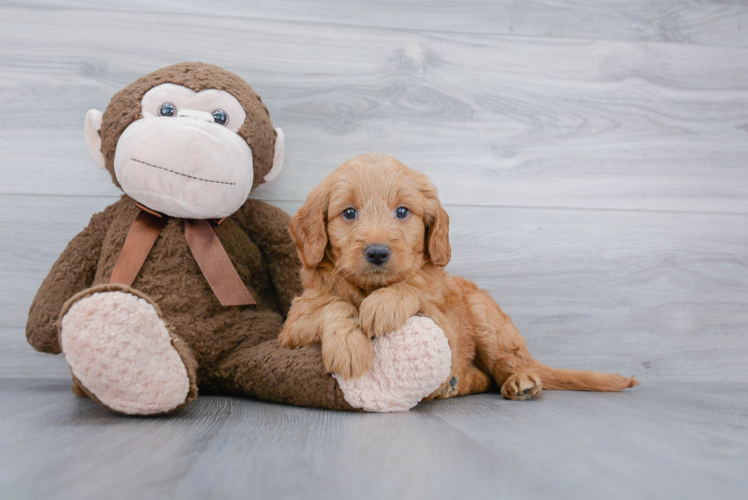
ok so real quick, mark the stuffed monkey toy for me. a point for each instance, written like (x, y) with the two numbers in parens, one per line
(184, 283)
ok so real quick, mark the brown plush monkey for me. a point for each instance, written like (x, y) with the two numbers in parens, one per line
(186, 144)
(184, 283)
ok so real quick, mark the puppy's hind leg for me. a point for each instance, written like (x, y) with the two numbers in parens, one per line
(468, 381)
(502, 350)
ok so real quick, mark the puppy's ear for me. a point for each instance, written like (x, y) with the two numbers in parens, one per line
(309, 226)
(437, 235)
(437, 224)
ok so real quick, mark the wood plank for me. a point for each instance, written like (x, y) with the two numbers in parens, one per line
(694, 22)
(659, 295)
(672, 440)
(178, 456)
(494, 120)
(669, 441)
(20, 360)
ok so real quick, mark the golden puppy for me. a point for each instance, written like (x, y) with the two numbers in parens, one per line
(373, 241)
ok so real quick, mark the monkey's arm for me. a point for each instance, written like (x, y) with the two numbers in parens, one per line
(267, 226)
(74, 271)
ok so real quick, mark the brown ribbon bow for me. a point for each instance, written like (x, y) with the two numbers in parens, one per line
(204, 244)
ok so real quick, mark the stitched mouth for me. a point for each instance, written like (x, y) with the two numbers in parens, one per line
(183, 174)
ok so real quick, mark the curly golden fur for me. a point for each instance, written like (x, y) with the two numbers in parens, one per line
(348, 299)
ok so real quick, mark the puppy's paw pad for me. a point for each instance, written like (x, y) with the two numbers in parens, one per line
(450, 388)
(521, 386)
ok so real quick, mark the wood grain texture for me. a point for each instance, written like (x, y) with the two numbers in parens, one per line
(494, 120)
(700, 22)
(684, 441)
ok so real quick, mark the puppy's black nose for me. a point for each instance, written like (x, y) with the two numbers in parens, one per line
(377, 254)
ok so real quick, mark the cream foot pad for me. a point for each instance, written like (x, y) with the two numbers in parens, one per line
(120, 350)
(409, 364)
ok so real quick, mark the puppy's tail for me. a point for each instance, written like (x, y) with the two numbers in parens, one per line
(562, 379)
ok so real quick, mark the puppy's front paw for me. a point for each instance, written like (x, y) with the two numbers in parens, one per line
(521, 386)
(286, 338)
(380, 313)
(289, 337)
(349, 354)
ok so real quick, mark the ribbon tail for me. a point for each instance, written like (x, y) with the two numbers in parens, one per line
(215, 264)
(140, 239)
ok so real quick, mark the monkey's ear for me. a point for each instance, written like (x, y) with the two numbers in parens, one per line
(93, 139)
(280, 148)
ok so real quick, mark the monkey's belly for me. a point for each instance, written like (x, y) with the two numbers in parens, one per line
(172, 278)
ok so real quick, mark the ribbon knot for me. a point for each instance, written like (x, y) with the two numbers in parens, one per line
(204, 244)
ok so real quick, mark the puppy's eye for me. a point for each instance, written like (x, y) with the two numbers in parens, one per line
(220, 117)
(349, 213)
(402, 212)
(167, 109)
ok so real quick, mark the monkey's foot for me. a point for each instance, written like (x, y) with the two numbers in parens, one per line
(409, 364)
(121, 351)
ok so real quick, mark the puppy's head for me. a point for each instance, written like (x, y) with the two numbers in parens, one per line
(376, 220)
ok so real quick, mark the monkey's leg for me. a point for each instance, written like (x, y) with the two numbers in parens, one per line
(256, 365)
(271, 372)
(402, 374)
(123, 354)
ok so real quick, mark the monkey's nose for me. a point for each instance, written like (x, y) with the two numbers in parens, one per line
(198, 115)
(377, 254)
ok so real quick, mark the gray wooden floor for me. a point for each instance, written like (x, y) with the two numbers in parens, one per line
(681, 441)
(593, 156)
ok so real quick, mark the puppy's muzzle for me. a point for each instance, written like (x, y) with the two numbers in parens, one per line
(377, 254)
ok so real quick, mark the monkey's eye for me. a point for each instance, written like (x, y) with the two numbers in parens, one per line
(220, 117)
(402, 213)
(167, 109)
(349, 213)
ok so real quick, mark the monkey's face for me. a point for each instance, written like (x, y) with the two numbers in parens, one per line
(184, 157)
(183, 148)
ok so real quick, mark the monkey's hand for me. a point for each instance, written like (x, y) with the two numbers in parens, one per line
(73, 272)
